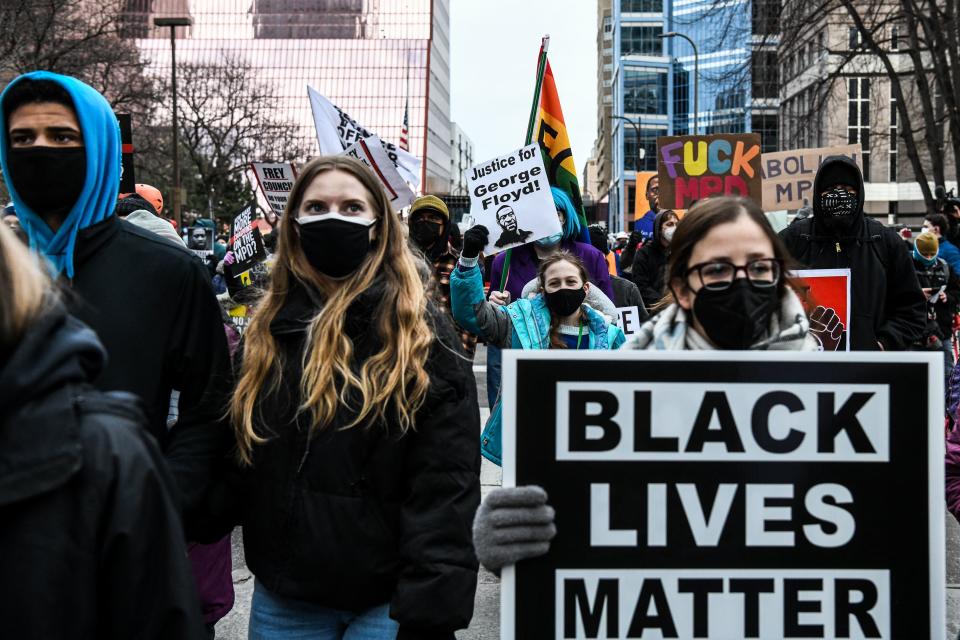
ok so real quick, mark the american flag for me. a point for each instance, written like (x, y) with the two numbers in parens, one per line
(405, 132)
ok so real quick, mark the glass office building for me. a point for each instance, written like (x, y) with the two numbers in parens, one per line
(372, 58)
(653, 80)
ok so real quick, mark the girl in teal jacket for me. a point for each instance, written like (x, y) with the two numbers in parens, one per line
(555, 318)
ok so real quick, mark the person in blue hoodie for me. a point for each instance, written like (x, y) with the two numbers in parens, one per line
(149, 301)
(938, 225)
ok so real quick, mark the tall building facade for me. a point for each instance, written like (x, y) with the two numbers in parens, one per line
(835, 92)
(461, 159)
(654, 92)
(372, 58)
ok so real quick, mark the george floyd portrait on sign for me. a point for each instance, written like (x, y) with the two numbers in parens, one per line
(511, 233)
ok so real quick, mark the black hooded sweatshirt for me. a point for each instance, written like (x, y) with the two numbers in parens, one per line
(649, 265)
(91, 541)
(887, 306)
(152, 306)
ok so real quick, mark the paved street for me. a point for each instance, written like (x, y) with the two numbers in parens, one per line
(486, 619)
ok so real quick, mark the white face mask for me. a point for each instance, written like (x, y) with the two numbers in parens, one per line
(668, 233)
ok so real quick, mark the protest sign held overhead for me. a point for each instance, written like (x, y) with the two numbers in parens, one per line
(692, 168)
(128, 179)
(336, 131)
(826, 299)
(788, 175)
(200, 241)
(728, 494)
(370, 152)
(645, 201)
(628, 319)
(246, 242)
(510, 196)
(276, 182)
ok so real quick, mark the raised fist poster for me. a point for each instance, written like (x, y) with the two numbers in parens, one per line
(826, 297)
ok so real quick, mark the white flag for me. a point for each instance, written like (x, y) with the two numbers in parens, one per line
(336, 131)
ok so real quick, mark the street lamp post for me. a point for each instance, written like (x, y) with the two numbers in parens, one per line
(696, 75)
(173, 23)
(636, 129)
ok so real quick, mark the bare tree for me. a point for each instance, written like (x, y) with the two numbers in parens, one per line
(227, 120)
(910, 44)
(79, 38)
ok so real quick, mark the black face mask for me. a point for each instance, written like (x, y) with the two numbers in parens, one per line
(563, 302)
(838, 206)
(48, 179)
(425, 233)
(335, 246)
(737, 317)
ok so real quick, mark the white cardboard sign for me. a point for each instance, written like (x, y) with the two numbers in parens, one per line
(510, 196)
(628, 319)
(370, 152)
(276, 182)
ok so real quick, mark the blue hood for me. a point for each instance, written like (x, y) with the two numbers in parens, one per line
(98, 199)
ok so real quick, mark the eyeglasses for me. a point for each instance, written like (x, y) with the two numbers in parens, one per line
(718, 275)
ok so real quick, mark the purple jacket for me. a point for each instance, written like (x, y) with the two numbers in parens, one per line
(953, 473)
(523, 267)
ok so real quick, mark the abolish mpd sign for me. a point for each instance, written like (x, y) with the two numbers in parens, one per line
(729, 495)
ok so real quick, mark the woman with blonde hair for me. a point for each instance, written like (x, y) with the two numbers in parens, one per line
(356, 422)
(89, 522)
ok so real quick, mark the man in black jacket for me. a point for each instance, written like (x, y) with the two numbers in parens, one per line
(149, 301)
(888, 310)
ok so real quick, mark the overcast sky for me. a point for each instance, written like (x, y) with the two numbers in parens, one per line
(493, 64)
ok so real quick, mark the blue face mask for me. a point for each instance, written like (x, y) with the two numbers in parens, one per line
(927, 262)
(550, 241)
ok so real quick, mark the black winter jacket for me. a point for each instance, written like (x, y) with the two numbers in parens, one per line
(887, 305)
(649, 265)
(940, 314)
(92, 542)
(151, 304)
(355, 518)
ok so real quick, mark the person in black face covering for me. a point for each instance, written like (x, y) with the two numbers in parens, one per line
(430, 228)
(62, 166)
(888, 308)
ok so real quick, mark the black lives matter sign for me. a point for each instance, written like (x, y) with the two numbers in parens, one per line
(731, 495)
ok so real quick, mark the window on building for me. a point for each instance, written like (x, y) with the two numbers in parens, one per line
(766, 17)
(854, 38)
(894, 138)
(648, 142)
(641, 6)
(821, 49)
(645, 92)
(607, 27)
(894, 38)
(764, 74)
(631, 189)
(858, 119)
(766, 125)
(642, 41)
(681, 100)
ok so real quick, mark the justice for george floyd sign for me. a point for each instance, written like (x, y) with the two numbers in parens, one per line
(728, 495)
(511, 197)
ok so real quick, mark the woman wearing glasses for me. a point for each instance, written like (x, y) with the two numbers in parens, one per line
(726, 290)
(726, 287)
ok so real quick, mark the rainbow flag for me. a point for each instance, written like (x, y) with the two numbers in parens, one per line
(547, 126)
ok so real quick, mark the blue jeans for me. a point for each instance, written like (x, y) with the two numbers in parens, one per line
(274, 617)
(494, 361)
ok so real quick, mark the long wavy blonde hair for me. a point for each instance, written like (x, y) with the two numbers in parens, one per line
(25, 289)
(392, 381)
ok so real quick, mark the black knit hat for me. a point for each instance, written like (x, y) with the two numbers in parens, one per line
(132, 203)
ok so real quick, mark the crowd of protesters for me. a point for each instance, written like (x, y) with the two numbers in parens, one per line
(342, 431)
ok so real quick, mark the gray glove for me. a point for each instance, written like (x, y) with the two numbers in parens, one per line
(512, 524)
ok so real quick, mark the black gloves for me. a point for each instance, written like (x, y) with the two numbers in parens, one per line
(474, 240)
